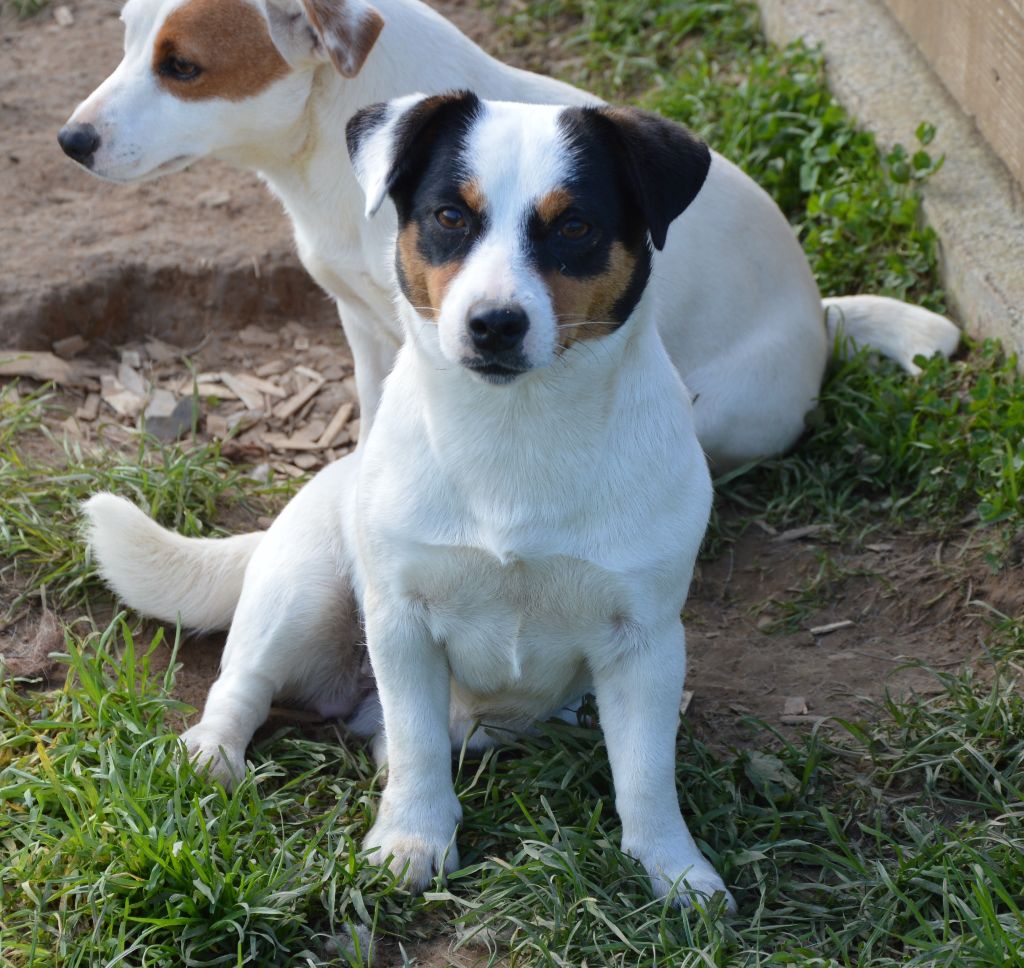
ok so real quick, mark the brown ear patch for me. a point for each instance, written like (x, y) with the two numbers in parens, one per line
(585, 305)
(228, 40)
(423, 284)
(347, 30)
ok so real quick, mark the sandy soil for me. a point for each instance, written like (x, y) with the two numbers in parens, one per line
(209, 249)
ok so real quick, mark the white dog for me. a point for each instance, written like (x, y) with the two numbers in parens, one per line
(522, 522)
(252, 82)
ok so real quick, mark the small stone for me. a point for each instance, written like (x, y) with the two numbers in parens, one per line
(301, 343)
(132, 358)
(63, 16)
(261, 474)
(306, 461)
(174, 425)
(794, 706)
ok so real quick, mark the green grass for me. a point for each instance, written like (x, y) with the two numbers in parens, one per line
(893, 842)
(900, 843)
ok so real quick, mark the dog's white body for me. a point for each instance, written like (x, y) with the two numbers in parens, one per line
(741, 316)
(511, 547)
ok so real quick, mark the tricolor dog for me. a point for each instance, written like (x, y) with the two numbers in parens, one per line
(521, 524)
(269, 85)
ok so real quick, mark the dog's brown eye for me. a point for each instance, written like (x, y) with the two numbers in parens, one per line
(574, 229)
(450, 218)
(180, 69)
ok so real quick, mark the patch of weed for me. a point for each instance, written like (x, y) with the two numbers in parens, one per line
(899, 843)
(181, 485)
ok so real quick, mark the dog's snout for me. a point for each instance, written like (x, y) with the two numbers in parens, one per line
(79, 142)
(497, 328)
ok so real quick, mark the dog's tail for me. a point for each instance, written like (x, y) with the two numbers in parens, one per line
(162, 574)
(894, 328)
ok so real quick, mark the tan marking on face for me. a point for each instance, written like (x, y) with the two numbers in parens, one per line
(583, 307)
(472, 196)
(228, 40)
(426, 285)
(348, 39)
(553, 204)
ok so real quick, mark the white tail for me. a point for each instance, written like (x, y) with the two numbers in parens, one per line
(162, 574)
(896, 329)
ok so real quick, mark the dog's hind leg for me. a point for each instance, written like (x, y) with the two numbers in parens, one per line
(295, 636)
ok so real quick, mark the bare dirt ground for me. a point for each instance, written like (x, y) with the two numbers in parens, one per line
(195, 257)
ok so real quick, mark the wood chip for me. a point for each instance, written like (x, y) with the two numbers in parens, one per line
(123, 402)
(217, 426)
(289, 470)
(246, 392)
(295, 403)
(70, 347)
(264, 386)
(90, 408)
(794, 706)
(273, 368)
(831, 627)
(299, 442)
(160, 352)
(254, 336)
(216, 390)
(131, 379)
(795, 534)
(44, 367)
(63, 16)
(687, 699)
(338, 422)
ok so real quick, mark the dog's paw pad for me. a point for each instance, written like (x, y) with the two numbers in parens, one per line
(212, 758)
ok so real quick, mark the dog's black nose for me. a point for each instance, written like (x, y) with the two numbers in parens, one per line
(79, 142)
(497, 329)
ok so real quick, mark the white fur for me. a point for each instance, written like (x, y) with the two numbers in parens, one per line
(741, 316)
(162, 574)
(511, 548)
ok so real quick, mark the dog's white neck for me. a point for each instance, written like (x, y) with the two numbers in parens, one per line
(549, 426)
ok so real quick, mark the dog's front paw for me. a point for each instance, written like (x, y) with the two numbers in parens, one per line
(213, 757)
(416, 843)
(688, 877)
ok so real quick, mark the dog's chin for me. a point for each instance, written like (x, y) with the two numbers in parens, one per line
(496, 374)
(176, 164)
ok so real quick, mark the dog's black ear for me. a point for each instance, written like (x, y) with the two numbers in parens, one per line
(664, 163)
(388, 143)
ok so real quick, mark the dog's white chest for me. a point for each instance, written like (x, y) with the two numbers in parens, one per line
(519, 632)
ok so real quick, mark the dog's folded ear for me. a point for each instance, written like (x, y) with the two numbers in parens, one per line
(388, 142)
(340, 31)
(664, 163)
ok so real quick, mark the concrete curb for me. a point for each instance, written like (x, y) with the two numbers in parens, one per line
(972, 203)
